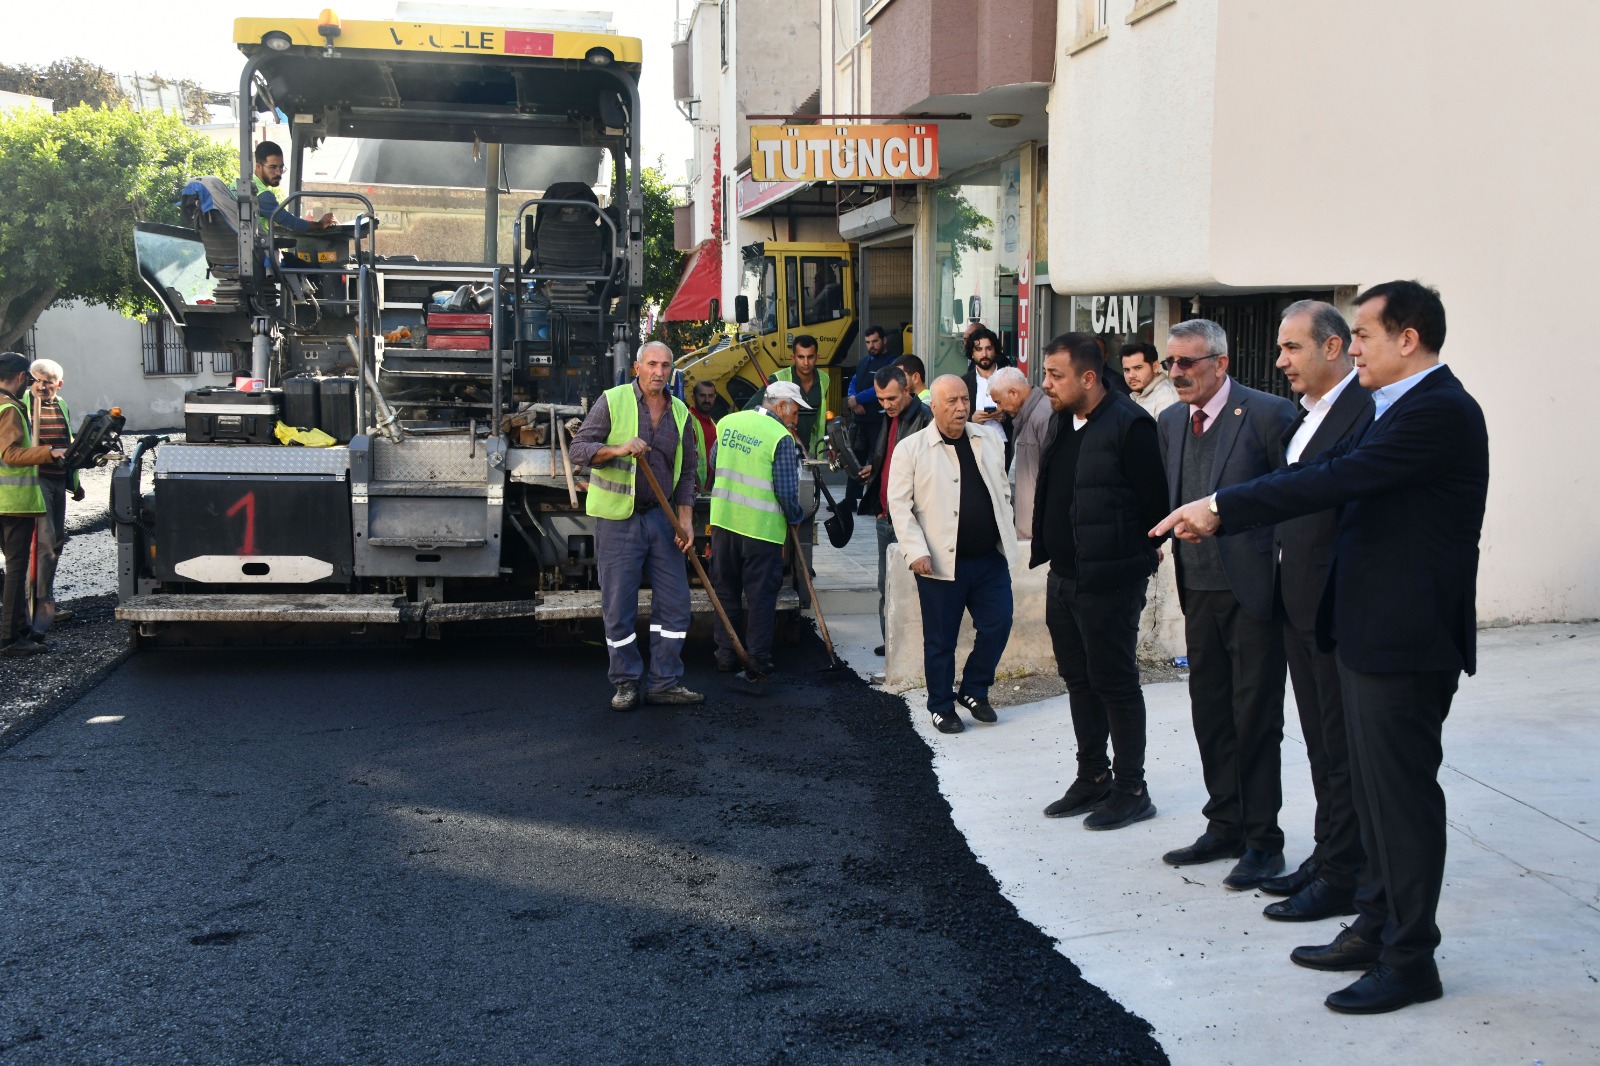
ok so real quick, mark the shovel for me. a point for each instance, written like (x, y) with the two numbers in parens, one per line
(750, 671)
(801, 565)
(839, 524)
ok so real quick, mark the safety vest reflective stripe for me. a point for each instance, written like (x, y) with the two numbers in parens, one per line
(19, 485)
(743, 498)
(610, 492)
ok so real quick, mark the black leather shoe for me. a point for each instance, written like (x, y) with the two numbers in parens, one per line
(1085, 794)
(980, 709)
(1316, 901)
(1255, 867)
(1292, 882)
(1206, 848)
(879, 650)
(1349, 951)
(1385, 988)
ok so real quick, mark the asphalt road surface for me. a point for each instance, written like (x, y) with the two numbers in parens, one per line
(459, 854)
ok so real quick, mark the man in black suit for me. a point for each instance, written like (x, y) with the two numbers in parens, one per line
(1221, 434)
(1400, 610)
(1314, 354)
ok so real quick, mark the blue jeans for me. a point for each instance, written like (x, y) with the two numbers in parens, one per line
(627, 551)
(982, 585)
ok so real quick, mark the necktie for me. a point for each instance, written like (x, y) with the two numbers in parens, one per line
(1197, 422)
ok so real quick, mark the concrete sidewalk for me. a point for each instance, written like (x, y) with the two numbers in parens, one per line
(1520, 913)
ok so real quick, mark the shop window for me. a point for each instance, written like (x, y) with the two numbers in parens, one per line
(979, 256)
(164, 352)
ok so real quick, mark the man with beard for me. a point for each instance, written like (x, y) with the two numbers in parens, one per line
(269, 174)
(705, 402)
(813, 384)
(983, 358)
(1100, 475)
(1223, 434)
(903, 415)
(1148, 384)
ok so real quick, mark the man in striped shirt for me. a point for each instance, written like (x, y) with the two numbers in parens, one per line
(52, 428)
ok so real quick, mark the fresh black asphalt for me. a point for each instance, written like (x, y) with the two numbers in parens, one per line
(457, 853)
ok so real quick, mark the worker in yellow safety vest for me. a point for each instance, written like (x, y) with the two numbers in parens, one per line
(813, 385)
(21, 503)
(755, 499)
(634, 539)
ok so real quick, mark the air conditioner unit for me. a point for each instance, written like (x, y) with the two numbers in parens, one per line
(880, 216)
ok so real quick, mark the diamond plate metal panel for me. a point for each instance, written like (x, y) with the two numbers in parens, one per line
(419, 459)
(250, 459)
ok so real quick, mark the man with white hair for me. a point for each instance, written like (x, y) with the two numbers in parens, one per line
(633, 539)
(21, 503)
(1029, 410)
(52, 428)
(755, 500)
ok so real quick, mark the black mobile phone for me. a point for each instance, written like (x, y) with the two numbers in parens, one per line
(991, 409)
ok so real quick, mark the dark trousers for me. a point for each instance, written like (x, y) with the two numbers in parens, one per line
(1396, 724)
(1236, 681)
(886, 540)
(1315, 677)
(52, 535)
(745, 570)
(982, 585)
(1096, 637)
(16, 541)
(627, 552)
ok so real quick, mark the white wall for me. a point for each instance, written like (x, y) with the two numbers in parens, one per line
(1352, 142)
(1130, 140)
(102, 355)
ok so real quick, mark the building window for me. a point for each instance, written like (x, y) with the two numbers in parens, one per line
(29, 344)
(723, 15)
(1094, 17)
(164, 352)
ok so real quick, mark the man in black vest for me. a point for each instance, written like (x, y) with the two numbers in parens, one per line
(1100, 477)
(1314, 354)
(1223, 433)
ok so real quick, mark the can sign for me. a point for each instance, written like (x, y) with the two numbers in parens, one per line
(844, 153)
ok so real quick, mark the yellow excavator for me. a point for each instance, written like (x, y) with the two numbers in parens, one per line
(787, 289)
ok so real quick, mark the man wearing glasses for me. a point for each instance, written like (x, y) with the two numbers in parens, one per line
(1219, 434)
(269, 173)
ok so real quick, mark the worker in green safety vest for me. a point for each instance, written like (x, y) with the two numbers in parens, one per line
(635, 540)
(21, 503)
(755, 498)
(268, 175)
(813, 385)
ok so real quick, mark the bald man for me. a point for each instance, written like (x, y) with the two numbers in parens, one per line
(951, 506)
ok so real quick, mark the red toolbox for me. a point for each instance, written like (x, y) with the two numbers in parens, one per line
(459, 320)
(464, 342)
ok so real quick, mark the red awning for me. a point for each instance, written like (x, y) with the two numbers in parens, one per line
(701, 283)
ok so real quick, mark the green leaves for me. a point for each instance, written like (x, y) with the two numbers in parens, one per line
(75, 183)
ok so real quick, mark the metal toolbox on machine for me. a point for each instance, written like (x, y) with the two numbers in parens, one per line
(215, 415)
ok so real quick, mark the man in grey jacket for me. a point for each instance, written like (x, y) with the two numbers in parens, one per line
(1029, 410)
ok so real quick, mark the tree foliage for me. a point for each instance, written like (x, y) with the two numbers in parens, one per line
(75, 183)
(68, 82)
(662, 260)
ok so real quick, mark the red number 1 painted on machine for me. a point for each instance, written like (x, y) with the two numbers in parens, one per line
(247, 504)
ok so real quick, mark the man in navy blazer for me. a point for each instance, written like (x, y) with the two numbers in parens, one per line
(1223, 433)
(1400, 610)
(1314, 355)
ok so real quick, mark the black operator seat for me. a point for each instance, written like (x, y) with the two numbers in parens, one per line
(568, 239)
(208, 205)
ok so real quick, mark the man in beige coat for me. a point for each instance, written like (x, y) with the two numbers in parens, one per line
(951, 506)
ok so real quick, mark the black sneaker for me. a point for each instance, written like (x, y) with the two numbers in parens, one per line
(627, 696)
(982, 710)
(1120, 809)
(727, 666)
(1086, 794)
(948, 722)
(676, 695)
(878, 650)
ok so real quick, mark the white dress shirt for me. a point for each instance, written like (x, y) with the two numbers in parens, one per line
(1214, 406)
(1384, 398)
(1316, 412)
